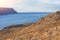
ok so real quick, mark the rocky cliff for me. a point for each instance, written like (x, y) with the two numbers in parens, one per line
(5, 11)
(46, 28)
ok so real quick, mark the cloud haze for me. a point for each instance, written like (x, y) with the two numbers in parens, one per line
(35, 5)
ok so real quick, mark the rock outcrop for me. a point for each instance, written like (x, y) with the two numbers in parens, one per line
(5, 11)
(46, 28)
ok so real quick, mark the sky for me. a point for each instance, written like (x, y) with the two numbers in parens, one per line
(32, 5)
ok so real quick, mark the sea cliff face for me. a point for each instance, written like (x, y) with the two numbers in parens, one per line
(46, 28)
(5, 11)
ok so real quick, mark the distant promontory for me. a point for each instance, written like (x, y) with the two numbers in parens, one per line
(6, 11)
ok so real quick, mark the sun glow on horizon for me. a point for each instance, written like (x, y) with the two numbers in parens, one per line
(5, 3)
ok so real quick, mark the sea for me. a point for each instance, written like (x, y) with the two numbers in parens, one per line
(20, 18)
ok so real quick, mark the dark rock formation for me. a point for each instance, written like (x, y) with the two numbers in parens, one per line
(5, 11)
(18, 26)
(58, 12)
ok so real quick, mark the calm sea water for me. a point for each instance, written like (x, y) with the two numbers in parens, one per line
(6, 20)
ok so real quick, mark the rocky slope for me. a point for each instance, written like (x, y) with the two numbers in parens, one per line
(46, 28)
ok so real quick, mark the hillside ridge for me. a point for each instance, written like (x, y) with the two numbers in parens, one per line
(6, 11)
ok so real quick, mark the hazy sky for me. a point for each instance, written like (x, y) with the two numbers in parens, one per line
(32, 5)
